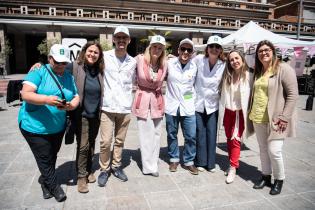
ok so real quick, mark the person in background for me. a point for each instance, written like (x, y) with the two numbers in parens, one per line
(42, 117)
(272, 111)
(235, 89)
(116, 108)
(210, 70)
(148, 105)
(180, 108)
(88, 72)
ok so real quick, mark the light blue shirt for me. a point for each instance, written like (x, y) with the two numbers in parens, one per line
(46, 119)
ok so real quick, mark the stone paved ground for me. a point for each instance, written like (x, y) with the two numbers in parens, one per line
(19, 188)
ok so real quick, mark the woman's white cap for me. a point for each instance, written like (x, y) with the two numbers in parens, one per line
(60, 53)
(214, 40)
(158, 39)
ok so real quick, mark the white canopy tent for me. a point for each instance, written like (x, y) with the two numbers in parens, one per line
(251, 34)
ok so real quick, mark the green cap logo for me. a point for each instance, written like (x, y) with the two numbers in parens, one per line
(62, 52)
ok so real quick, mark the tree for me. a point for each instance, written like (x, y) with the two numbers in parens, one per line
(5, 52)
(105, 45)
(45, 45)
(151, 33)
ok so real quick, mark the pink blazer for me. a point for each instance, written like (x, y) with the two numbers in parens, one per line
(148, 95)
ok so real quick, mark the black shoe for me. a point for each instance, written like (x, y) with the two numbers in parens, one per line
(46, 193)
(59, 194)
(102, 178)
(265, 180)
(119, 173)
(276, 187)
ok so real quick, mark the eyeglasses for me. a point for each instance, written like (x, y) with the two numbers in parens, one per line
(267, 50)
(217, 46)
(60, 63)
(121, 37)
(189, 50)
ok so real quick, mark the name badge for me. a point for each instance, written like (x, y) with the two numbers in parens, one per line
(188, 96)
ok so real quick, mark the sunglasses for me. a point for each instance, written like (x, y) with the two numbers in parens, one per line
(60, 63)
(217, 46)
(121, 37)
(189, 50)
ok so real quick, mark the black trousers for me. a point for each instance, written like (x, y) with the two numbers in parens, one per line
(87, 130)
(45, 149)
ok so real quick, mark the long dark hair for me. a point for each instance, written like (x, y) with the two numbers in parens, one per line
(99, 64)
(275, 61)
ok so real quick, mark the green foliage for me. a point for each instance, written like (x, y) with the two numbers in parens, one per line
(45, 46)
(105, 45)
(6, 50)
(146, 40)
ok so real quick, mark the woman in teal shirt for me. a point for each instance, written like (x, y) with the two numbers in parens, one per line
(42, 117)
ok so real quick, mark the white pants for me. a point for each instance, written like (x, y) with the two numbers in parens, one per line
(270, 152)
(149, 135)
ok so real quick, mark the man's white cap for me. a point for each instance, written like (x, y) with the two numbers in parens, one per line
(122, 29)
(214, 40)
(158, 39)
(187, 41)
(60, 53)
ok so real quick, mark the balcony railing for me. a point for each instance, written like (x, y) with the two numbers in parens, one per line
(128, 15)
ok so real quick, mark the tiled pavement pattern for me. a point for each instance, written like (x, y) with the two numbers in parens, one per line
(180, 190)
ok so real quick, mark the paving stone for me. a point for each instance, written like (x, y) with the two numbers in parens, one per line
(7, 157)
(132, 202)
(18, 166)
(19, 181)
(168, 200)
(292, 202)
(310, 196)
(11, 198)
(257, 205)
(156, 184)
(3, 167)
(115, 187)
(99, 204)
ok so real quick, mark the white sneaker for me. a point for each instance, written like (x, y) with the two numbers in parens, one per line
(231, 175)
(201, 169)
(212, 170)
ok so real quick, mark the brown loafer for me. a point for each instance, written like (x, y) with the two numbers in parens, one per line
(173, 166)
(91, 178)
(192, 169)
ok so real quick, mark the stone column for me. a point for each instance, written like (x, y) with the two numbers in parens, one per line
(53, 35)
(4, 61)
(106, 38)
(197, 38)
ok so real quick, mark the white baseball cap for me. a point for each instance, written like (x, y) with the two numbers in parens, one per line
(122, 29)
(187, 41)
(214, 40)
(60, 53)
(158, 39)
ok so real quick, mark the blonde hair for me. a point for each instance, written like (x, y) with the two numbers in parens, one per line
(227, 77)
(161, 60)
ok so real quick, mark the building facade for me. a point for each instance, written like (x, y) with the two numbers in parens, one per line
(27, 23)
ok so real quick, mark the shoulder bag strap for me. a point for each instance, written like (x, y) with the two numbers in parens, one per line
(56, 81)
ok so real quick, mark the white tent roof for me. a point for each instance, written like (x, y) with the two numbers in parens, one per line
(251, 33)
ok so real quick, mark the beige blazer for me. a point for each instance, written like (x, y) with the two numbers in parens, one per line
(282, 97)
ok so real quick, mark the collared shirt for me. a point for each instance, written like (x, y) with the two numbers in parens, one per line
(207, 84)
(118, 81)
(180, 91)
(259, 111)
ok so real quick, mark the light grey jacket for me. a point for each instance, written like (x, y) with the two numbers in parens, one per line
(282, 97)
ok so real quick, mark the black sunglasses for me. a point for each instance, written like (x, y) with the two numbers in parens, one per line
(183, 49)
(217, 46)
(60, 63)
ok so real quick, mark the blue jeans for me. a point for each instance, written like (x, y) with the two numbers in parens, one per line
(206, 139)
(188, 125)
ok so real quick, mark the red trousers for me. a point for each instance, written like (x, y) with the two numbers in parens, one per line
(230, 124)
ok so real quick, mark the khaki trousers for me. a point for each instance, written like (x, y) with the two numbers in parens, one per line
(117, 124)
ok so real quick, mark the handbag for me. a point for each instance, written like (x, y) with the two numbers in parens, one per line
(70, 122)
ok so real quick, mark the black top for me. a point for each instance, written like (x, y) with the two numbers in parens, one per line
(92, 93)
